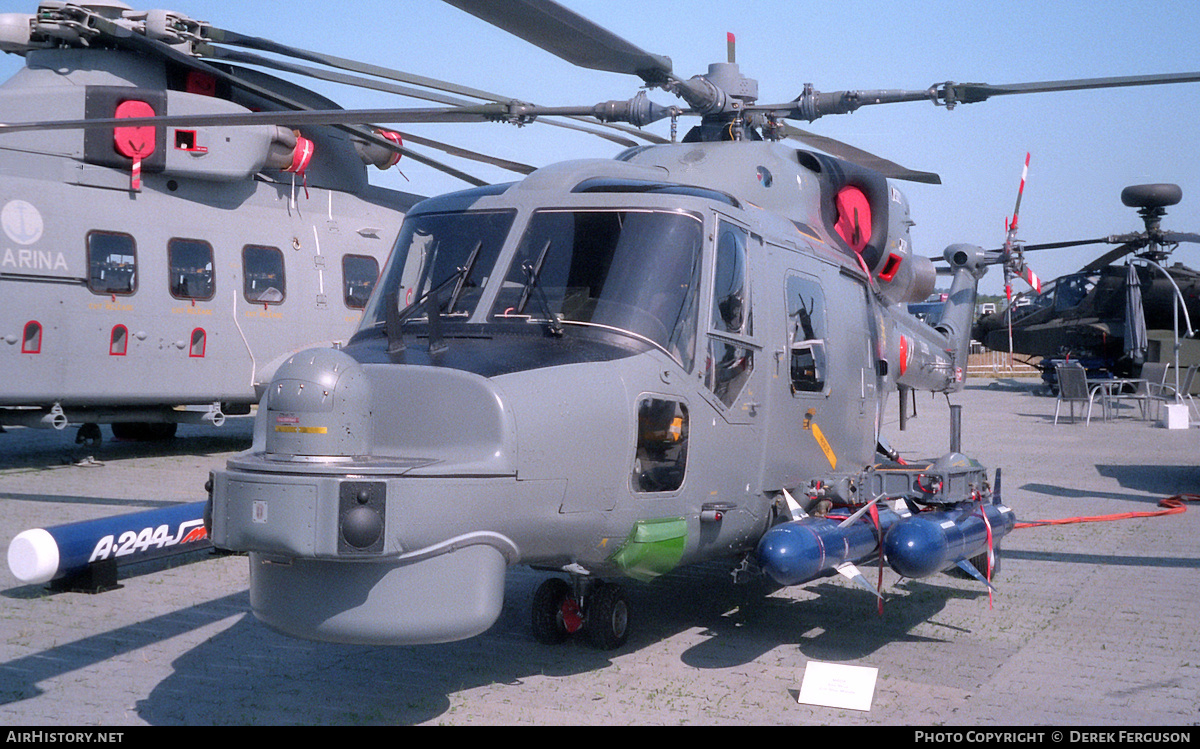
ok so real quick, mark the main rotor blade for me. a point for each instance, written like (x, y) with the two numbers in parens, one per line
(218, 53)
(967, 93)
(477, 113)
(512, 166)
(1174, 236)
(812, 104)
(1128, 243)
(514, 112)
(570, 36)
(1113, 255)
(224, 36)
(862, 158)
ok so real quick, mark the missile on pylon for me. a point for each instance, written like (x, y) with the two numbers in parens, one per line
(70, 551)
(800, 550)
(934, 540)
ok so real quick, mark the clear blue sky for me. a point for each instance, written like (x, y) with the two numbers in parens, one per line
(1086, 146)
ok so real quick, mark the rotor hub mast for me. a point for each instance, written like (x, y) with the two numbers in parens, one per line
(88, 25)
(722, 91)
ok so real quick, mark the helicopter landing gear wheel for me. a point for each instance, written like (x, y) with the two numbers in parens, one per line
(607, 617)
(88, 435)
(555, 612)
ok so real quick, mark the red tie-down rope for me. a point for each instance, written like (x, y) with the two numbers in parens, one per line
(1172, 506)
(990, 545)
(875, 519)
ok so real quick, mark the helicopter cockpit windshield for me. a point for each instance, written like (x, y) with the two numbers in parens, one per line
(1061, 294)
(1070, 291)
(445, 254)
(636, 271)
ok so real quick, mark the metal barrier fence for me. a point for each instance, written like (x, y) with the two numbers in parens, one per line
(987, 363)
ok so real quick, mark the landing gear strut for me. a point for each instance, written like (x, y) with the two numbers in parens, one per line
(597, 608)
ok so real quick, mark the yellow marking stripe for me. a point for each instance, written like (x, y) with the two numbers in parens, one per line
(302, 430)
(824, 443)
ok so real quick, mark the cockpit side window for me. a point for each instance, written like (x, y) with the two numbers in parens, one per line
(729, 363)
(731, 293)
(661, 459)
(359, 273)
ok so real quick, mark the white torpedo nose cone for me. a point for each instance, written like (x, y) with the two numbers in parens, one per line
(33, 556)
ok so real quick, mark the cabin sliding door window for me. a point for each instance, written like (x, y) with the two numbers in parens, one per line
(730, 354)
(805, 304)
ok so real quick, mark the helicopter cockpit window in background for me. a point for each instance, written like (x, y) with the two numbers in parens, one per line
(447, 254)
(359, 273)
(637, 271)
(1071, 290)
(112, 263)
(806, 334)
(190, 264)
(1030, 302)
(263, 280)
(730, 364)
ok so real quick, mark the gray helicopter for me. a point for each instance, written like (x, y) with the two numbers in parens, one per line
(153, 277)
(614, 368)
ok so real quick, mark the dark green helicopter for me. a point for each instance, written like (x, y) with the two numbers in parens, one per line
(1091, 315)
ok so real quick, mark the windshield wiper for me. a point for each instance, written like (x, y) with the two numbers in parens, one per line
(464, 275)
(459, 278)
(533, 272)
(430, 302)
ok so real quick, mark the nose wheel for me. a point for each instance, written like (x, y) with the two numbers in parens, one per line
(596, 608)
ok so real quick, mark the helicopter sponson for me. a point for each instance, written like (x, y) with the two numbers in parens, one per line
(612, 368)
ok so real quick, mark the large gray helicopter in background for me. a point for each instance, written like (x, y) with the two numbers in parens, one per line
(613, 368)
(153, 277)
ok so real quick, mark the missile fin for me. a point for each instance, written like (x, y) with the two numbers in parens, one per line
(850, 572)
(793, 506)
(969, 568)
(857, 513)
